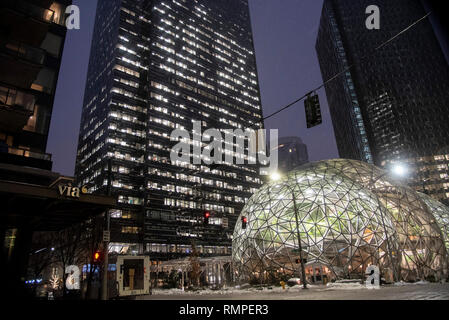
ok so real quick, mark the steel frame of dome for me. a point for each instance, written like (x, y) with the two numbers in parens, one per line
(350, 215)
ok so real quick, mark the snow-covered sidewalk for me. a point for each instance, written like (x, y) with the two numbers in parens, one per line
(233, 290)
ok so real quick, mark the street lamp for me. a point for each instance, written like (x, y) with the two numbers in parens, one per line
(399, 169)
(275, 176)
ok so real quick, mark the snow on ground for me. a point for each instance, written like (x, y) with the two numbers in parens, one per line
(231, 290)
(245, 289)
(237, 290)
(345, 286)
(402, 283)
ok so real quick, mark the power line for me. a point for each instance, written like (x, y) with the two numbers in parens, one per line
(347, 68)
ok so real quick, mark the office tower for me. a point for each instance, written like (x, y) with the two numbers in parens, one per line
(392, 107)
(157, 66)
(32, 35)
(292, 153)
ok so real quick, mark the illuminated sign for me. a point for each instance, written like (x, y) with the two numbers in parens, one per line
(71, 192)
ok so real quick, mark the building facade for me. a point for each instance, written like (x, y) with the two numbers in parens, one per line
(157, 66)
(32, 35)
(31, 44)
(392, 105)
(292, 153)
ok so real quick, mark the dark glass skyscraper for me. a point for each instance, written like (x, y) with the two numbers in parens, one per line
(393, 106)
(157, 66)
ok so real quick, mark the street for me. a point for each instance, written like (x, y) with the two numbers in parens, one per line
(405, 292)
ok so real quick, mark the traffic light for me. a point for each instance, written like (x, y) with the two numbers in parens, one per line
(97, 256)
(313, 110)
(206, 217)
(244, 222)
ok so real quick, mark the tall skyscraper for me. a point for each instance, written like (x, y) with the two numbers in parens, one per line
(156, 66)
(392, 107)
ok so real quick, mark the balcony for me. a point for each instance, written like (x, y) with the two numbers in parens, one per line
(29, 154)
(42, 3)
(22, 51)
(27, 158)
(25, 22)
(20, 63)
(16, 107)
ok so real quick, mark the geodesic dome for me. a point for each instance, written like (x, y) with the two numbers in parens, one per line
(349, 215)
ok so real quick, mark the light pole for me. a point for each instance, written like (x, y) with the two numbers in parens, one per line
(104, 280)
(303, 269)
(275, 177)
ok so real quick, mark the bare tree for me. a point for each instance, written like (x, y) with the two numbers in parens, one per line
(195, 267)
(41, 256)
(68, 248)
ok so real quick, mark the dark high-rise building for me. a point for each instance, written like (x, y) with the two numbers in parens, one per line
(292, 153)
(393, 106)
(157, 66)
(32, 35)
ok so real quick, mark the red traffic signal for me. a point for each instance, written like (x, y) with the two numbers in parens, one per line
(244, 222)
(206, 217)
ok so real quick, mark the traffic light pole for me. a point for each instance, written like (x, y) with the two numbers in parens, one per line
(104, 282)
(303, 270)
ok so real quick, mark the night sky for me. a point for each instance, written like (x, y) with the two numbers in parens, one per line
(284, 35)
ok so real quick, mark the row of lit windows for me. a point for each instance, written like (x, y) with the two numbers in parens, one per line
(194, 179)
(129, 131)
(125, 143)
(194, 205)
(125, 117)
(128, 199)
(127, 157)
(179, 248)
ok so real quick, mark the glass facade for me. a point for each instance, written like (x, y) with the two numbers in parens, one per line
(391, 106)
(157, 66)
(347, 215)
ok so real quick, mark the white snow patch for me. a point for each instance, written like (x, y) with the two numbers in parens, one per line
(345, 286)
(402, 283)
